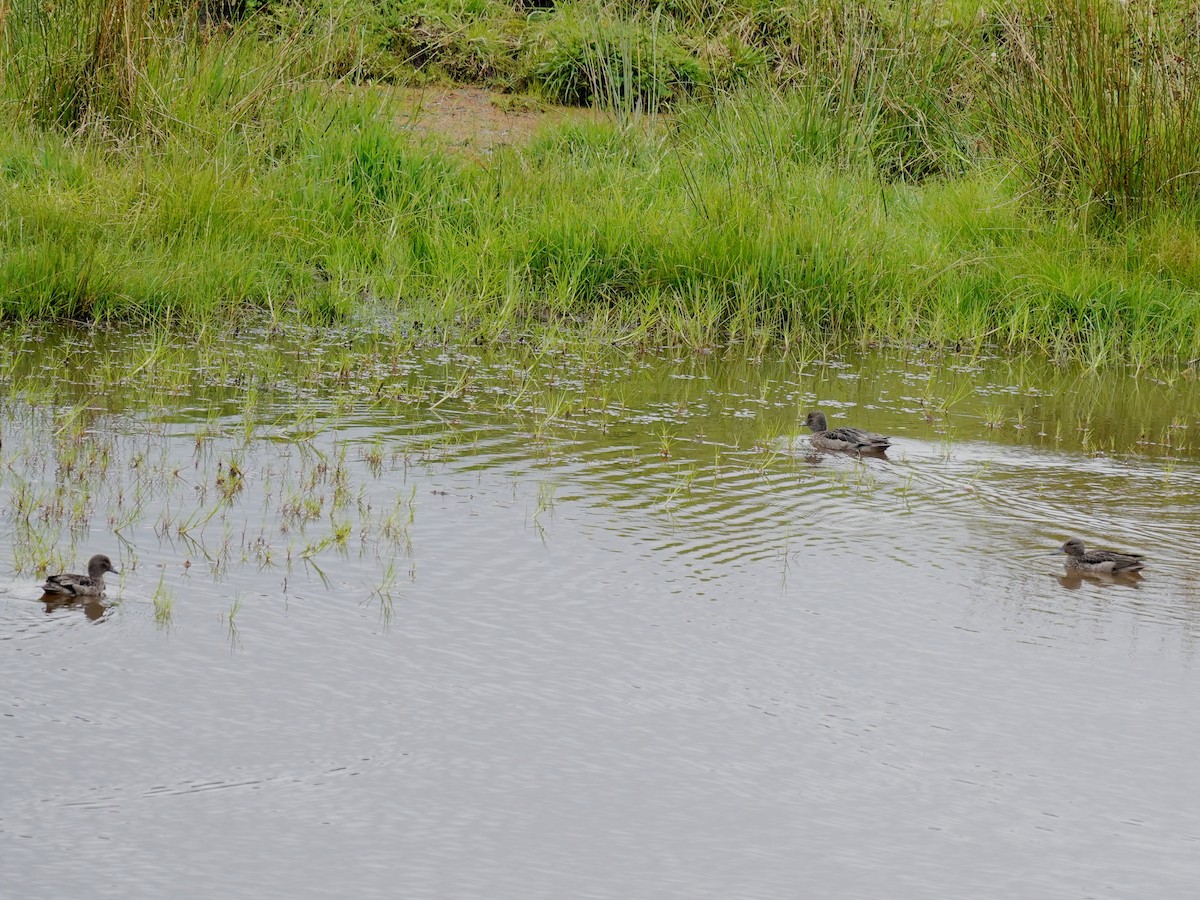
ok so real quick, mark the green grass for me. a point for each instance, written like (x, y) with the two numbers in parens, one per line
(770, 173)
(1101, 107)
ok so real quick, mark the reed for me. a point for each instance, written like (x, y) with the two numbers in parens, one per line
(1098, 103)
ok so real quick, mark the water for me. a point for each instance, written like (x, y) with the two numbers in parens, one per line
(431, 622)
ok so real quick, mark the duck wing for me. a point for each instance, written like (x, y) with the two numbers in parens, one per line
(62, 584)
(859, 438)
(1119, 560)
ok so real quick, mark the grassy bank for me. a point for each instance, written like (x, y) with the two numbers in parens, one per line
(1015, 176)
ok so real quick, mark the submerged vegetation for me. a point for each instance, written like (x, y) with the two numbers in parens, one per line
(1015, 174)
(342, 458)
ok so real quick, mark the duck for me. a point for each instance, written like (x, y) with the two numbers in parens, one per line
(852, 439)
(89, 585)
(1105, 562)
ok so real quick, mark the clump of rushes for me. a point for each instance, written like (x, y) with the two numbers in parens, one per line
(1098, 103)
(628, 64)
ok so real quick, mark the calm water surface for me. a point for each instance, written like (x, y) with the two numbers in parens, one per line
(547, 623)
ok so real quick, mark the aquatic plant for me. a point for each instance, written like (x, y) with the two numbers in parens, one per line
(164, 603)
(230, 618)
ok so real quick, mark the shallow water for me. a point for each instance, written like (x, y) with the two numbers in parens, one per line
(431, 622)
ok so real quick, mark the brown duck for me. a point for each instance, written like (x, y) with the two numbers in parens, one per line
(89, 585)
(1106, 562)
(852, 439)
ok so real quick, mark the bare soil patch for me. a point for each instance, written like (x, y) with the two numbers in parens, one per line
(476, 121)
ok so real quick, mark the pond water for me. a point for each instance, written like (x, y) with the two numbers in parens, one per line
(403, 620)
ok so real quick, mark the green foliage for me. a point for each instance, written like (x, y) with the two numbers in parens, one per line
(75, 63)
(1099, 105)
(464, 40)
(615, 63)
(833, 171)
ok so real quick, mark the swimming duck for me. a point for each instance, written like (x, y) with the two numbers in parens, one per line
(1103, 561)
(854, 439)
(89, 585)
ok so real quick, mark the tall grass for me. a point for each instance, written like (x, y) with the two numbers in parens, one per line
(630, 64)
(875, 187)
(71, 63)
(1098, 103)
(120, 69)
